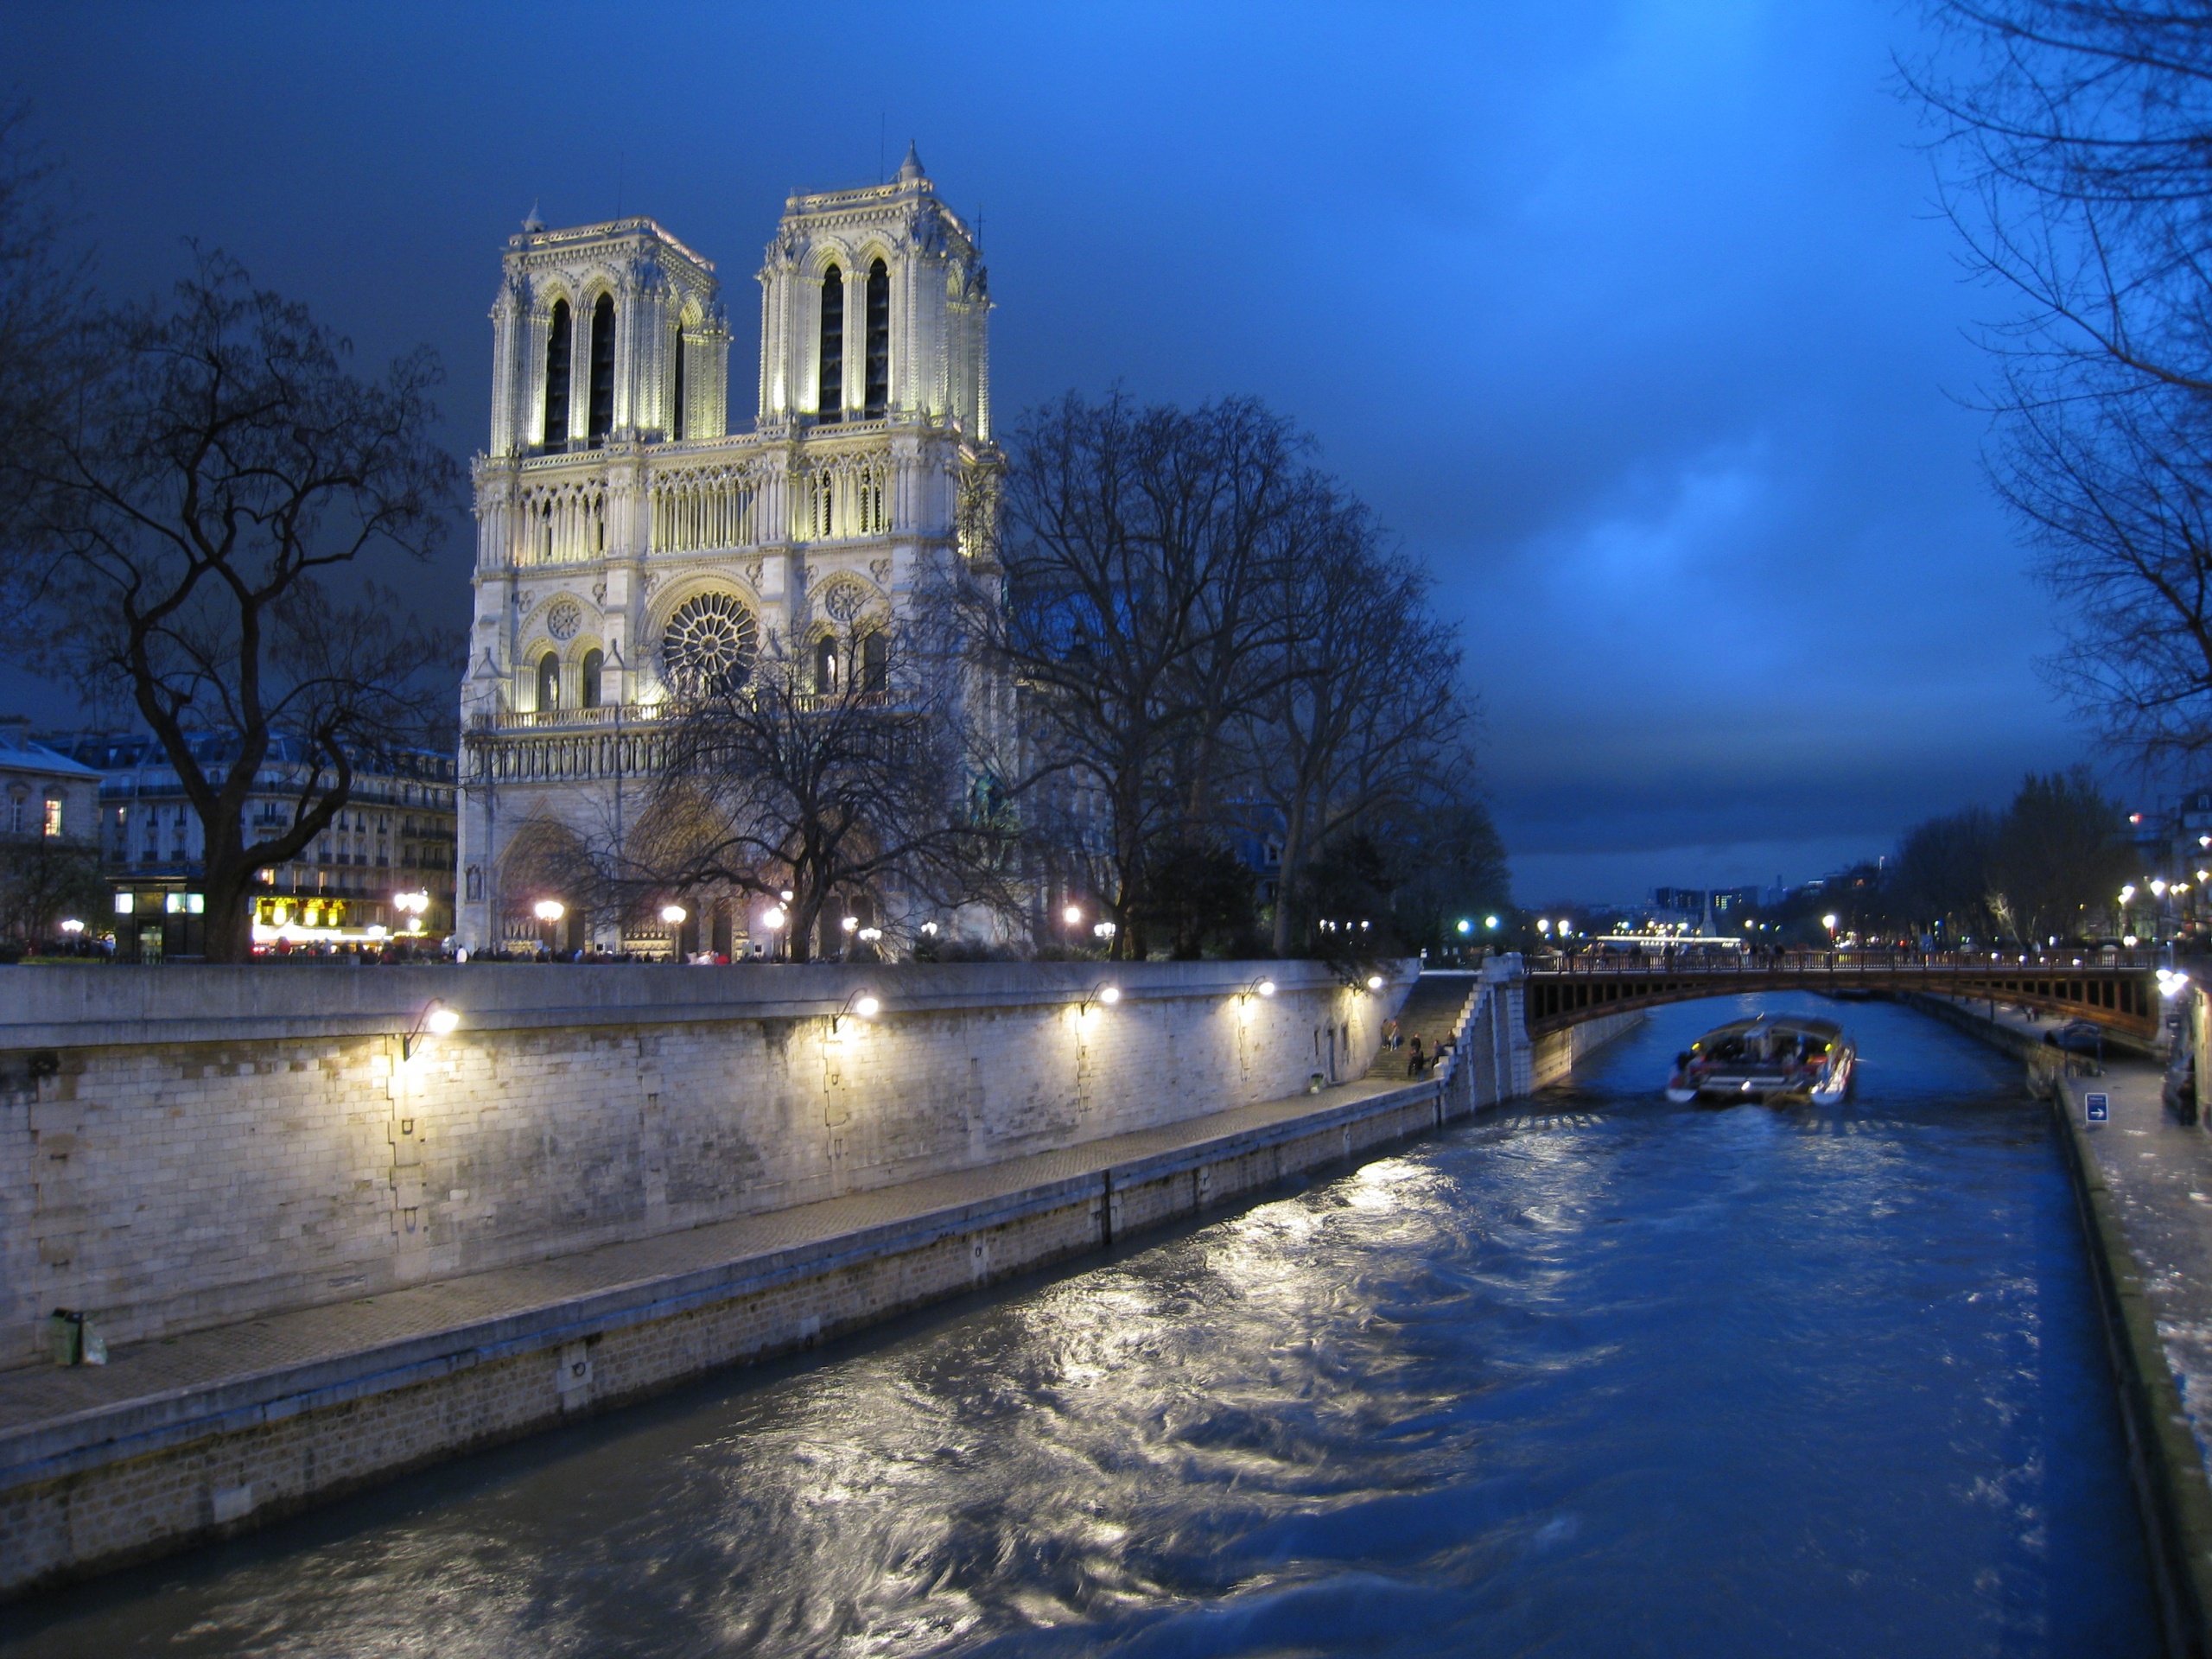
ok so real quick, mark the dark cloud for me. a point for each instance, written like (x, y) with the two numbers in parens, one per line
(1631, 319)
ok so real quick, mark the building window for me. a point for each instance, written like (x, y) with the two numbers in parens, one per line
(557, 340)
(549, 682)
(875, 663)
(53, 823)
(15, 812)
(878, 337)
(602, 371)
(594, 665)
(676, 395)
(829, 398)
(825, 666)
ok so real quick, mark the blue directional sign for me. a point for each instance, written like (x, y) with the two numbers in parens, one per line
(2100, 1107)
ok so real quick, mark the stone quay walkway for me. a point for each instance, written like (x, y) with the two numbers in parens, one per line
(41, 1405)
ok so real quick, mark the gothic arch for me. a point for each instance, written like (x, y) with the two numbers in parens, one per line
(544, 859)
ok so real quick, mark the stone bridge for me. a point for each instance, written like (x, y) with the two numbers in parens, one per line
(2122, 995)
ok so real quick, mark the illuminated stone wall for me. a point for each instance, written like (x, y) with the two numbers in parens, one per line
(187, 1149)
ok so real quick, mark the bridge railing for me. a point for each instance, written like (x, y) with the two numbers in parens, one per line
(1935, 963)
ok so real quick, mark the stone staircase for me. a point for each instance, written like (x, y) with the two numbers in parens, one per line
(1431, 1009)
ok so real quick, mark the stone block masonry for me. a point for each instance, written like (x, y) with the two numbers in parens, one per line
(191, 1147)
(206, 1435)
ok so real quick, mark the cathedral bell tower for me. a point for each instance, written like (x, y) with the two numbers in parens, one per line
(874, 306)
(606, 333)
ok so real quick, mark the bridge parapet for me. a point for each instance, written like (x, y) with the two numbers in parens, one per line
(2121, 993)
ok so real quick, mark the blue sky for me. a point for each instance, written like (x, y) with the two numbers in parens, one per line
(1630, 317)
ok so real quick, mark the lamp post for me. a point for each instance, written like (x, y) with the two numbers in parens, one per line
(549, 912)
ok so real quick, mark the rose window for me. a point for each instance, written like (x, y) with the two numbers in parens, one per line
(709, 645)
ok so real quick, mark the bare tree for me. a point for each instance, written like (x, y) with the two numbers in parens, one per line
(1941, 880)
(2078, 136)
(189, 506)
(774, 782)
(1360, 706)
(2117, 495)
(1141, 549)
(2061, 853)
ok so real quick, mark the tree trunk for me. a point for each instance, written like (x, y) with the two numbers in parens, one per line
(227, 924)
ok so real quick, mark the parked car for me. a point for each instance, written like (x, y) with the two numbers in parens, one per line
(2078, 1037)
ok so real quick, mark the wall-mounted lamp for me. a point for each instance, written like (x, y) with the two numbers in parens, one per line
(436, 1020)
(1259, 987)
(1107, 994)
(863, 1003)
(1375, 982)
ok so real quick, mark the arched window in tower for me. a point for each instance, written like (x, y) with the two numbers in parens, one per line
(549, 682)
(875, 663)
(825, 666)
(830, 396)
(558, 338)
(879, 338)
(594, 672)
(675, 386)
(602, 371)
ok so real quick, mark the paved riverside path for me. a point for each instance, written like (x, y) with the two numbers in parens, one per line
(41, 1396)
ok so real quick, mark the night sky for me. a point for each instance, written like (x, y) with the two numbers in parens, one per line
(1634, 320)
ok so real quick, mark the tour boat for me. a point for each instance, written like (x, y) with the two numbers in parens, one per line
(1771, 1057)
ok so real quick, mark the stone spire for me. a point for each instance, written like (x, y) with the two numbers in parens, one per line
(532, 223)
(911, 168)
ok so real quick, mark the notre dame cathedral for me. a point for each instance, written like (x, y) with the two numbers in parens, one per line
(629, 544)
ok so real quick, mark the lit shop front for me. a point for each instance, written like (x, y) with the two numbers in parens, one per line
(288, 919)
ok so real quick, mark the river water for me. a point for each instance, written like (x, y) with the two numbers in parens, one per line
(1595, 1376)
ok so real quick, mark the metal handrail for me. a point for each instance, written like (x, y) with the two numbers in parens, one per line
(1943, 962)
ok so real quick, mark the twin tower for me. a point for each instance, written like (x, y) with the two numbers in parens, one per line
(873, 305)
(630, 547)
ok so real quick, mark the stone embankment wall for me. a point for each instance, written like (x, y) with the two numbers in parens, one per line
(1554, 1054)
(189, 1148)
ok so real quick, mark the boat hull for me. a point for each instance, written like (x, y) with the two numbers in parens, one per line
(1776, 1060)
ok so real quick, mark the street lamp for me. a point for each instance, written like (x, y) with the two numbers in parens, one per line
(436, 1020)
(863, 1003)
(549, 910)
(674, 915)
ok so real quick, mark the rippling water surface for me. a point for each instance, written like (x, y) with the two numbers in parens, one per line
(1600, 1376)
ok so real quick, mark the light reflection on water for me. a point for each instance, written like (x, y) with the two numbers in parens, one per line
(1599, 1375)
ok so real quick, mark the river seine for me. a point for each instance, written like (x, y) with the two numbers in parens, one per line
(1594, 1376)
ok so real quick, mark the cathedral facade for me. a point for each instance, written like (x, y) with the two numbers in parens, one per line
(629, 545)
